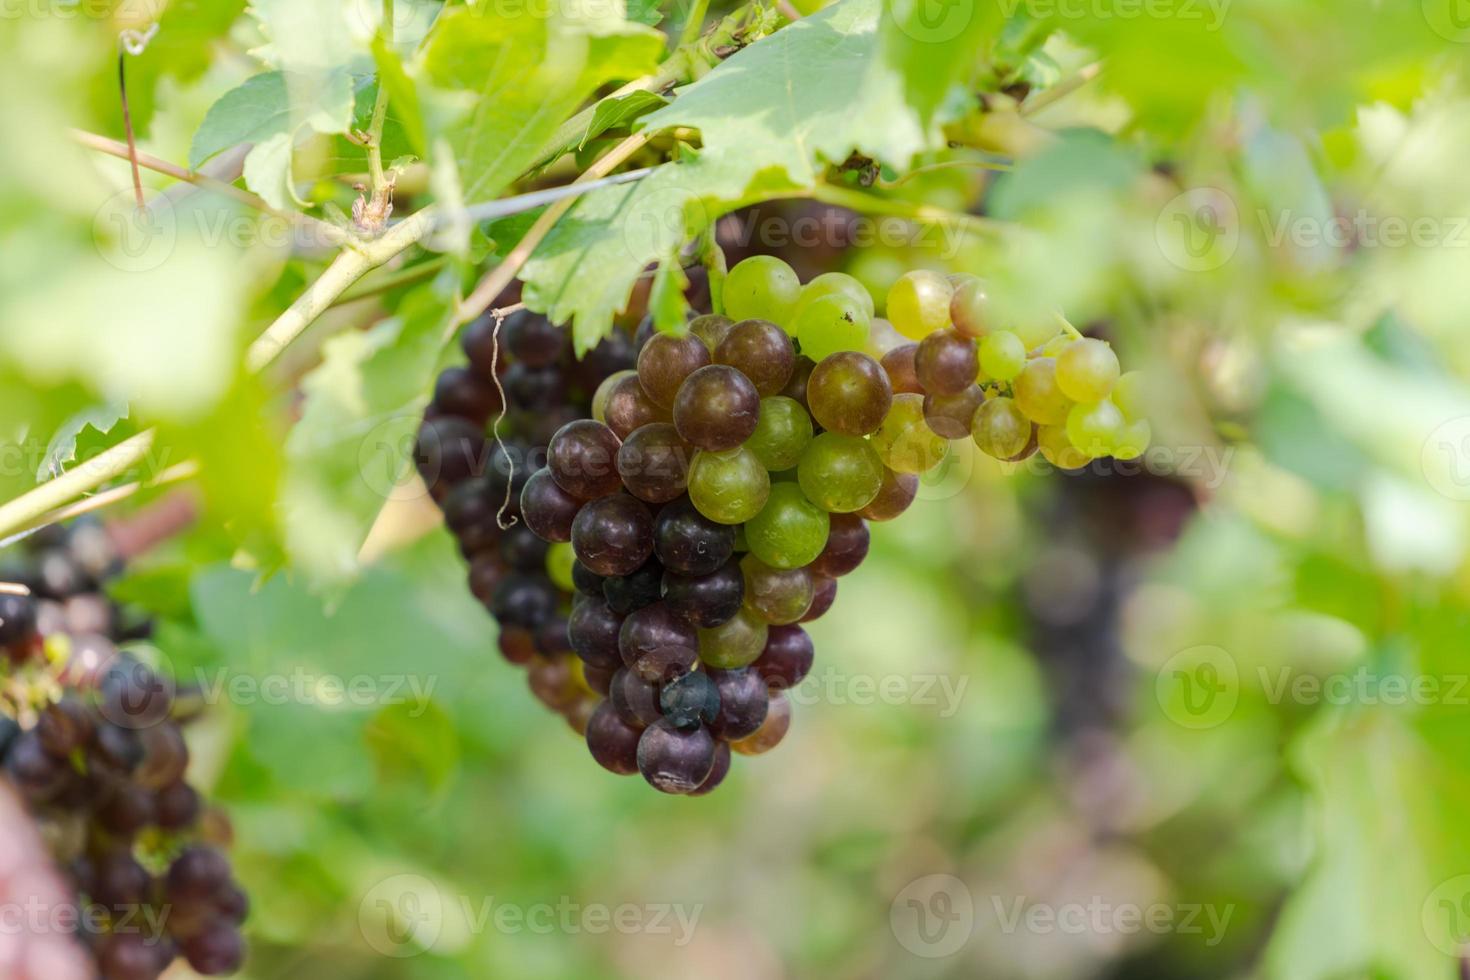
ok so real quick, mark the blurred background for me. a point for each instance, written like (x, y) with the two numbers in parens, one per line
(1203, 715)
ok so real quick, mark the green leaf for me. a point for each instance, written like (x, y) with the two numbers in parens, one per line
(63, 446)
(645, 12)
(936, 53)
(268, 171)
(414, 739)
(403, 96)
(272, 104)
(666, 299)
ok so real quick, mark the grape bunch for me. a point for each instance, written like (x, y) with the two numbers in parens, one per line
(91, 741)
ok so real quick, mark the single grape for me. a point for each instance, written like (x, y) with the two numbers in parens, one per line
(717, 408)
(533, 340)
(657, 644)
(534, 389)
(666, 361)
(898, 364)
(904, 442)
(560, 560)
(711, 328)
(787, 657)
(653, 463)
(918, 303)
(836, 283)
(688, 543)
(599, 679)
(761, 287)
(832, 323)
(177, 806)
(582, 459)
(1134, 440)
(690, 701)
(522, 550)
(744, 702)
(790, 531)
(970, 310)
(612, 355)
(612, 741)
(1095, 429)
(847, 546)
(709, 600)
(586, 580)
(1000, 428)
(17, 618)
(547, 509)
(718, 773)
(195, 875)
(552, 682)
(734, 643)
(464, 392)
(729, 487)
(625, 593)
(469, 504)
(781, 433)
(824, 593)
(552, 637)
(603, 394)
(449, 449)
(526, 601)
(947, 362)
(1087, 369)
(479, 344)
(849, 393)
(771, 732)
(882, 338)
(951, 415)
(517, 645)
(613, 535)
(634, 699)
(675, 761)
(778, 596)
(840, 474)
(628, 407)
(124, 956)
(1039, 396)
(487, 571)
(1058, 449)
(796, 388)
(1002, 355)
(1128, 395)
(761, 351)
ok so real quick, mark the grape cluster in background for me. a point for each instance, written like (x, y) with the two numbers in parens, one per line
(666, 550)
(91, 741)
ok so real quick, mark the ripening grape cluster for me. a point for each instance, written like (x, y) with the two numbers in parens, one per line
(90, 740)
(669, 547)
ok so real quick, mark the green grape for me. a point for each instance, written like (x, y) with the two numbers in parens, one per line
(1000, 428)
(1035, 332)
(905, 442)
(1128, 395)
(841, 473)
(970, 309)
(778, 596)
(1053, 347)
(1002, 355)
(711, 328)
(781, 433)
(1087, 369)
(829, 324)
(1039, 395)
(1133, 440)
(840, 283)
(728, 487)
(1095, 428)
(918, 304)
(604, 392)
(790, 531)
(882, 338)
(735, 643)
(1058, 449)
(559, 560)
(761, 287)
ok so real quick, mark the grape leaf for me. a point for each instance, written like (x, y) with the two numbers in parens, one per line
(935, 53)
(666, 298)
(645, 12)
(63, 446)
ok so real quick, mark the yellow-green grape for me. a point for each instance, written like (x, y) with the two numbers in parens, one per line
(1054, 347)
(1134, 440)
(729, 487)
(735, 643)
(1058, 449)
(790, 531)
(1002, 355)
(604, 392)
(1039, 395)
(918, 304)
(1000, 428)
(904, 442)
(1128, 395)
(778, 596)
(1095, 428)
(882, 338)
(781, 433)
(559, 561)
(831, 323)
(761, 287)
(842, 474)
(1087, 369)
(830, 283)
(970, 309)
(1036, 332)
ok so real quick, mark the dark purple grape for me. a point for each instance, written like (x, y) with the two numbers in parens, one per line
(689, 701)
(582, 459)
(653, 463)
(688, 543)
(718, 772)
(540, 426)
(612, 741)
(63, 727)
(215, 951)
(592, 631)
(547, 509)
(128, 956)
(553, 637)
(743, 703)
(629, 408)
(643, 333)
(37, 774)
(449, 449)
(17, 619)
(709, 600)
(165, 756)
(612, 354)
(552, 682)
(675, 761)
(787, 658)
(177, 806)
(599, 678)
(119, 882)
(898, 364)
(478, 342)
(232, 903)
(534, 389)
(626, 593)
(800, 374)
(950, 415)
(533, 340)
(847, 546)
(487, 571)
(118, 748)
(613, 535)
(522, 550)
(586, 581)
(465, 393)
(658, 645)
(717, 408)
(634, 699)
(470, 503)
(824, 593)
(517, 645)
(195, 875)
(666, 361)
(526, 601)
(947, 362)
(127, 809)
(134, 694)
(761, 351)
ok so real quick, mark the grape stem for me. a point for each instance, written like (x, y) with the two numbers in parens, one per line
(1067, 327)
(713, 258)
(381, 202)
(1061, 90)
(24, 511)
